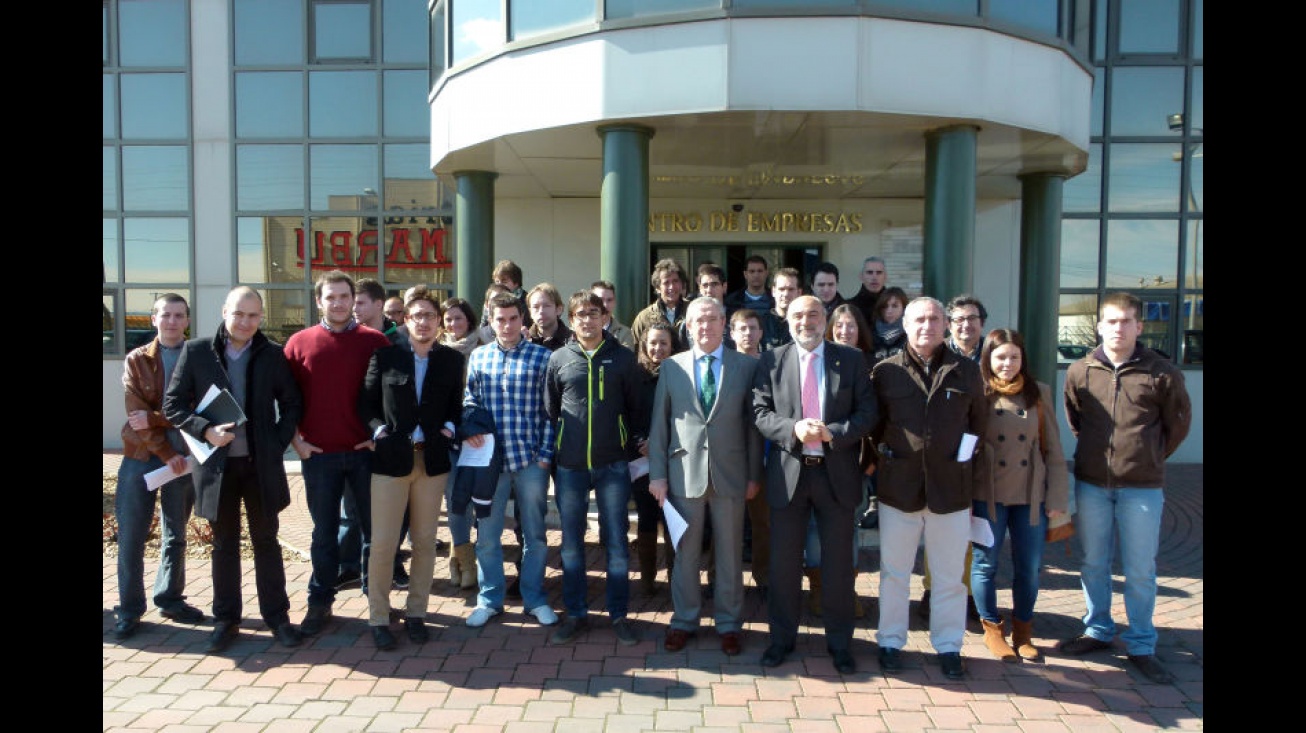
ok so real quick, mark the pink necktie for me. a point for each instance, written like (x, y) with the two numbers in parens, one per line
(811, 399)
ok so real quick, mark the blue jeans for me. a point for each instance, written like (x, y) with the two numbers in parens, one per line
(327, 476)
(611, 485)
(460, 525)
(133, 508)
(1136, 515)
(528, 486)
(1026, 556)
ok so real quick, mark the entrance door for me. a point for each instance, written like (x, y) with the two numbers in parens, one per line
(802, 256)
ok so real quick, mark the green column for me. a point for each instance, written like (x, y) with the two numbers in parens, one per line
(623, 216)
(473, 234)
(1040, 270)
(949, 211)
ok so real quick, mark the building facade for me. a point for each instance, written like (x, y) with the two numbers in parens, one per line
(1036, 154)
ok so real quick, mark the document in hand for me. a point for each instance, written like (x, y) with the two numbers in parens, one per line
(219, 406)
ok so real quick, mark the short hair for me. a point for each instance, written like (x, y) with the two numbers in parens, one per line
(757, 258)
(371, 288)
(890, 293)
(865, 340)
(508, 269)
(712, 268)
(605, 284)
(456, 303)
(875, 258)
(705, 300)
(503, 300)
(743, 314)
(547, 289)
(421, 292)
(919, 299)
(494, 289)
(787, 272)
(664, 266)
(827, 267)
(334, 276)
(1123, 301)
(1000, 337)
(167, 299)
(957, 301)
(240, 292)
(583, 299)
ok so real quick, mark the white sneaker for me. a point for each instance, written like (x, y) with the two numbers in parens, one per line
(481, 616)
(544, 615)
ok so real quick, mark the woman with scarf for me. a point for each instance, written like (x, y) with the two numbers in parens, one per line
(889, 337)
(460, 334)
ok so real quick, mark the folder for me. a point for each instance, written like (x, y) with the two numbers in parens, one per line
(219, 406)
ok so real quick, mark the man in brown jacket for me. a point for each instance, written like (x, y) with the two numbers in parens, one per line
(150, 442)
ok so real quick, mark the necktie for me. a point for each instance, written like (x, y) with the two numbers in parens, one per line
(707, 388)
(811, 399)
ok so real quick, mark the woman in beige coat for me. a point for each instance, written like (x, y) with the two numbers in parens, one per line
(1021, 482)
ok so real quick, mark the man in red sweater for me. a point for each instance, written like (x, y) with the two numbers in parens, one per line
(329, 361)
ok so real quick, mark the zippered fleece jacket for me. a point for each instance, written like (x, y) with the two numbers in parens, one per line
(595, 401)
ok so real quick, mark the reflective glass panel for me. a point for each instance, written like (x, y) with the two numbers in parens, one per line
(269, 249)
(269, 32)
(1142, 254)
(270, 104)
(107, 320)
(477, 28)
(1083, 193)
(157, 250)
(110, 104)
(1076, 326)
(781, 3)
(404, 31)
(342, 103)
(1149, 26)
(436, 62)
(111, 251)
(1192, 328)
(1158, 316)
(342, 30)
(285, 312)
(104, 31)
(1195, 257)
(409, 182)
(1196, 124)
(1036, 15)
(1099, 97)
(1144, 97)
(1197, 200)
(407, 113)
(1099, 31)
(153, 106)
(418, 249)
(155, 178)
(339, 174)
(151, 33)
(269, 177)
(1197, 29)
(530, 19)
(110, 178)
(967, 8)
(1144, 177)
(342, 242)
(1079, 253)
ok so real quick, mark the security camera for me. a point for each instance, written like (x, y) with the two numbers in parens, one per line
(737, 207)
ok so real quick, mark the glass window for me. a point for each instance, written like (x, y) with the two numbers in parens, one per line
(1036, 15)
(342, 242)
(151, 33)
(409, 182)
(342, 30)
(157, 250)
(108, 319)
(104, 31)
(154, 106)
(269, 32)
(111, 251)
(1076, 326)
(1143, 177)
(1149, 26)
(339, 174)
(780, 4)
(530, 19)
(270, 104)
(477, 28)
(1197, 199)
(1192, 327)
(110, 104)
(269, 177)
(1083, 193)
(110, 178)
(1195, 128)
(285, 312)
(1195, 256)
(1144, 97)
(1099, 30)
(1099, 97)
(438, 48)
(1197, 29)
(155, 178)
(1142, 254)
(407, 113)
(404, 31)
(418, 249)
(342, 103)
(270, 249)
(1079, 253)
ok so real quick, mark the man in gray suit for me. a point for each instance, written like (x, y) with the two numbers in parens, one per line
(813, 402)
(706, 455)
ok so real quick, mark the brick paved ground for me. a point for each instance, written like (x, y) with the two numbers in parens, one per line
(505, 677)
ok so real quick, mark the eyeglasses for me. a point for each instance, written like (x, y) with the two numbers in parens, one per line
(421, 316)
(586, 315)
(964, 319)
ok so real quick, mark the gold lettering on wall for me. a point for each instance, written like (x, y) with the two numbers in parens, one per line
(814, 222)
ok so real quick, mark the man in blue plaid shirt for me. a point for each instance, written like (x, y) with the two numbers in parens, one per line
(506, 377)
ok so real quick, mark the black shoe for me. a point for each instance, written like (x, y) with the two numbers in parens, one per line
(923, 608)
(349, 579)
(1082, 644)
(384, 640)
(126, 627)
(870, 520)
(843, 661)
(288, 634)
(1151, 668)
(182, 612)
(954, 668)
(224, 632)
(569, 629)
(315, 619)
(416, 628)
(774, 656)
(400, 579)
(890, 660)
(514, 588)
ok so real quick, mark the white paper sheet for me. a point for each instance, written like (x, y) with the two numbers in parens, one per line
(981, 533)
(638, 467)
(199, 449)
(967, 447)
(160, 476)
(470, 456)
(676, 524)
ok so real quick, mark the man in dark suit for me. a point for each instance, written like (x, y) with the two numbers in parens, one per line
(813, 402)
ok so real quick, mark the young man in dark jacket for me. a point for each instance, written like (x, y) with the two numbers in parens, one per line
(591, 389)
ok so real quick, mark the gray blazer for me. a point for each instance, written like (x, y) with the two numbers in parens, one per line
(692, 450)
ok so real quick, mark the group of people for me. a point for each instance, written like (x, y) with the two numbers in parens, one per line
(771, 420)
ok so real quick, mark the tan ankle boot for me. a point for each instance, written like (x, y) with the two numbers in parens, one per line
(814, 594)
(455, 572)
(995, 639)
(1022, 637)
(466, 556)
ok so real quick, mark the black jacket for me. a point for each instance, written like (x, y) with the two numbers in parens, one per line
(389, 398)
(595, 401)
(476, 483)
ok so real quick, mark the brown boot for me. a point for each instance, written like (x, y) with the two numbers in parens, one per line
(995, 638)
(455, 569)
(1022, 637)
(646, 548)
(814, 594)
(465, 554)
